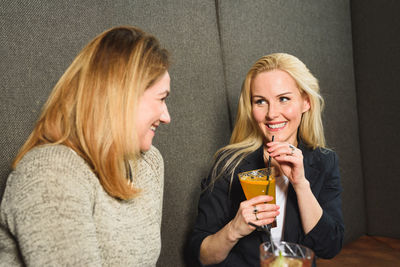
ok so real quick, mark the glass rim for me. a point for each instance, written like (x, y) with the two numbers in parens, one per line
(306, 252)
(249, 173)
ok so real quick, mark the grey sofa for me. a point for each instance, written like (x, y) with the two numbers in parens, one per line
(213, 43)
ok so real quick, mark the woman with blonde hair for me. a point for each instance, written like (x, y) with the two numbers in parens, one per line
(279, 116)
(87, 186)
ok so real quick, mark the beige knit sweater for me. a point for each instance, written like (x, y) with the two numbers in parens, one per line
(55, 213)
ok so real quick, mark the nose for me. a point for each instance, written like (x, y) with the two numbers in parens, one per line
(165, 117)
(272, 112)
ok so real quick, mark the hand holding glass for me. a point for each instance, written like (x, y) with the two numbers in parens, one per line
(256, 183)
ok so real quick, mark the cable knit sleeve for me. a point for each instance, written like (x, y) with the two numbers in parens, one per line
(48, 209)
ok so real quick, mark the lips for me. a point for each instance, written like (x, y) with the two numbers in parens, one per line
(153, 128)
(276, 126)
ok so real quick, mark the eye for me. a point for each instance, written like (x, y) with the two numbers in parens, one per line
(284, 99)
(259, 101)
(164, 99)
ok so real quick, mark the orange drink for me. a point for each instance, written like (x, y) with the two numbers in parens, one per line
(255, 183)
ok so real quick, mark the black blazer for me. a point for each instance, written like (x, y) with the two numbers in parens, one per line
(217, 206)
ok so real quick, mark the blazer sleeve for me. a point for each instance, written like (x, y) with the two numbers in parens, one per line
(326, 237)
(213, 213)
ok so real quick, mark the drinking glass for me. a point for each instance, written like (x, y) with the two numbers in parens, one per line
(285, 254)
(257, 182)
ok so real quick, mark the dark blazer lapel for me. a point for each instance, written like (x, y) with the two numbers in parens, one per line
(253, 161)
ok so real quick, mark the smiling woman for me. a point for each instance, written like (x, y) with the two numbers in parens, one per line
(279, 117)
(88, 177)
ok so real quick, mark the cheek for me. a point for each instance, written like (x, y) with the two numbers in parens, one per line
(150, 112)
(258, 114)
(293, 113)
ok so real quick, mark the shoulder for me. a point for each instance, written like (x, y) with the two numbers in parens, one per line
(51, 160)
(152, 155)
(47, 172)
(320, 156)
(327, 156)
(150, 165)
(53, 156)
(153, 159)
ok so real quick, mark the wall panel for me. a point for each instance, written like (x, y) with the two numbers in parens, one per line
(376, 38)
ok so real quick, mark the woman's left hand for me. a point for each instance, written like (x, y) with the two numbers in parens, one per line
(290, 160)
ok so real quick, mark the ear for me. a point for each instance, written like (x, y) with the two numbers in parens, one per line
(306, 104)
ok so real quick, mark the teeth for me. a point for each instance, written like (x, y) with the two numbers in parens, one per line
(275, 126)
(153, 128)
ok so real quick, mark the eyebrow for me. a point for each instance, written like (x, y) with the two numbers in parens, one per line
(166, 92)
(257, 96)
(282, 94)
(286, 93)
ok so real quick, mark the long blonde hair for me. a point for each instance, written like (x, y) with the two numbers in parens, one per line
(246, 136)
(92, 108)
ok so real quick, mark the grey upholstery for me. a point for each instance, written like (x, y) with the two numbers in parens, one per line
(376, 41)
(213, 43)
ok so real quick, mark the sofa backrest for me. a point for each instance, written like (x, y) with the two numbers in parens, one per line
(213, 43)
(376, 42)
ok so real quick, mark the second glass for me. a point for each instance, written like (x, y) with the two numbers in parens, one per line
(285, 254)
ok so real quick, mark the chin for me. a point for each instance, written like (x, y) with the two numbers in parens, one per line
(145, 144)
(144, 149)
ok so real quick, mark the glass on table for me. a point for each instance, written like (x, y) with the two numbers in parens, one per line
(285, 254)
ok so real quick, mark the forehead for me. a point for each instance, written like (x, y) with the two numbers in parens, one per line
(161, 85)
(274, 81)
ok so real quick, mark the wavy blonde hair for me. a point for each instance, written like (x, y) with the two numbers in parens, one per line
(92, 108)
(246, 136)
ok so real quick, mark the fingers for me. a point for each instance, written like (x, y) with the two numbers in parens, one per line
(261, 212)
(265, 217)
(280, 148)
(257, 208)
(262, 217)
(258, 199)
(255, 211)
(282, 151)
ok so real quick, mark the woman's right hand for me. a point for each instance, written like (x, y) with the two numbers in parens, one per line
(215, 248)
(266, 214)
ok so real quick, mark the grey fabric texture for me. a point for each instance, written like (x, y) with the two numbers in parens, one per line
(376, 37)
(56, 208)
(213, 43)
